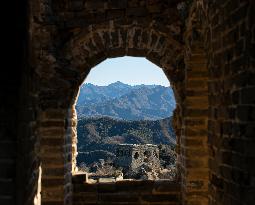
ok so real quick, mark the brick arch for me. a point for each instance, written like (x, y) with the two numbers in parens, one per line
(135, 41)
(98, 45)
(72, 64)
(68, 66)
(140, 26)
(85, 53)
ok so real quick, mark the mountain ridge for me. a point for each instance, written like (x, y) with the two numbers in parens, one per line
(101, 135)
(122, 101)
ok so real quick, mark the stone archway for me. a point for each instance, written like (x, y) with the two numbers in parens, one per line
(83, 52)
(69, 49)
(156, 49)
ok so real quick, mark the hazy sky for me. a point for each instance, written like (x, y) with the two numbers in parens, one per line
(129, 70)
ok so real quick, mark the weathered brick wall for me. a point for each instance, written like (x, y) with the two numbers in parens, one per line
(55, 155)
(73, 133)
(227, 30)
(125, 192)
(194, 148)
(54, 113)
(232, 87)
(194, 138)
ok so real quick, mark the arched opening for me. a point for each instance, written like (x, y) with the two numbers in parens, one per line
(136, 155)
(72, 63)
(126, 102)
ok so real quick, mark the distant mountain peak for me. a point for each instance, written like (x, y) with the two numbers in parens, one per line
(88, 85)
(120, 100)
(117, 83)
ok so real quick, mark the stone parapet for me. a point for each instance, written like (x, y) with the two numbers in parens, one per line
(125, 192)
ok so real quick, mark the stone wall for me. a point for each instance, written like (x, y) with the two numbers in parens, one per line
(52, 49)
(230, 45)
(56, 156)
(131, 157)
(194, 139)
(225, 30)
(125, 192)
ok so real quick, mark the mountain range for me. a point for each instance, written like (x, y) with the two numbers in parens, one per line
(121, 113)
(97, 137)
(123, 101)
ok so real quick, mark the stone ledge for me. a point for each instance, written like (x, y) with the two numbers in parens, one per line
(137, 191)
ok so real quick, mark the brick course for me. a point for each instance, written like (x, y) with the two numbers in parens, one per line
(123, 192)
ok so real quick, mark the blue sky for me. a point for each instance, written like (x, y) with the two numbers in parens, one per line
(129, 70)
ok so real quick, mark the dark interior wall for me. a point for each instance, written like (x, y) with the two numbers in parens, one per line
(232, 98)
(8, 135)
(17, 161)
(12, 65)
